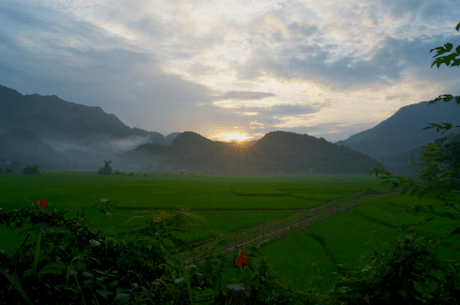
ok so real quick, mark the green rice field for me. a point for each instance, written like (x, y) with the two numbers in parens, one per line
(234, 203)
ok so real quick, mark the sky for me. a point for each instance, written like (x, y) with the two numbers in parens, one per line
(232, 69)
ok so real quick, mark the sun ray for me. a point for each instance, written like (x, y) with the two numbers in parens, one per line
(231, 136)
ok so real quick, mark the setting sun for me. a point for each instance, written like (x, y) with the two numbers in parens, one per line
(231, 136)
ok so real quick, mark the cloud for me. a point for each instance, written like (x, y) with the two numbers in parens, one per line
(212, 65)
(245, 95)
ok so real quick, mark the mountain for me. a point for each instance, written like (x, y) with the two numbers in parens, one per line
(394, 140)
(276, 152)
(57, 122)
(24, 146)
(56, 134)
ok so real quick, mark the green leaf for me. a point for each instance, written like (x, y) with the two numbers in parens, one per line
(56, 268)
(121, 298)
(178, 280)
(404, 190)
(86, 274)
(17, 286)
(102, 293)
(366, 298)
(374, 170)
(70, 289)
(448, 46)
(456, 62)
(36, 253)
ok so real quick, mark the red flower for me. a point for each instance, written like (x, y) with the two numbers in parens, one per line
(42, 203)
(242, 260)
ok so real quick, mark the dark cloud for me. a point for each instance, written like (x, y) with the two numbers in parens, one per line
(387, 61)
(245, 95)
(303, 30)
(282, 110)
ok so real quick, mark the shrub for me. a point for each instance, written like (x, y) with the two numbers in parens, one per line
(30, 169)
(8, 171)
(71, 263)
(106, 170)
(408, 271)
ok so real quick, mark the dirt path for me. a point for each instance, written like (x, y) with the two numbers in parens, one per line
(305, 219)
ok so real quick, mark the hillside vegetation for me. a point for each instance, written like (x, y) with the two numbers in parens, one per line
(277, 152)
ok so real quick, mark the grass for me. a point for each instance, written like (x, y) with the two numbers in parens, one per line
(207, 195)
(233, 203)
(157, 192)
(346, 237)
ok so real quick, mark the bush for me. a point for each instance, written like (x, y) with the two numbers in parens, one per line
(118, 173)
(30, 169)
(1, 170)
(408, 271)
(106, 170)
(8, 171)
(71, 263)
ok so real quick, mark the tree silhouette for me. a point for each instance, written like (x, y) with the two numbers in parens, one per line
(30, 169)
(106, 170)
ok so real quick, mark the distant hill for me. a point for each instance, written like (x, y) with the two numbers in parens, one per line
(54, 120)
(24, 146)
(276, 152)
(55, 133)
(394, 140)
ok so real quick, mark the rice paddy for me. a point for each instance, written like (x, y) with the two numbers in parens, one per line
(233, 204)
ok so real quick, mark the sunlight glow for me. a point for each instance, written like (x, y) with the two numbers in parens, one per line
(231, 136)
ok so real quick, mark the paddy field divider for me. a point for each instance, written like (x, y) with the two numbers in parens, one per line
(278, 228)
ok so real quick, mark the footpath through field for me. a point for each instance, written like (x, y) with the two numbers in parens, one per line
(281, 227)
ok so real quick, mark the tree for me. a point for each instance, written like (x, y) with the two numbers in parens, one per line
(438, 279)
(435, 180)
(106, 170)
(8, 171)
(1, 170)
(30, 169)
(450, 153)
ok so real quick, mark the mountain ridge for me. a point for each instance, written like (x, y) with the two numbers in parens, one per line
(401, 135)
(276, 152)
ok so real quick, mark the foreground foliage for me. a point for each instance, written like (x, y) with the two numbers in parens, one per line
(69, 261)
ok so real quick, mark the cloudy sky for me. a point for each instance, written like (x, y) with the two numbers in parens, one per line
(243, 67)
